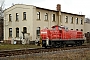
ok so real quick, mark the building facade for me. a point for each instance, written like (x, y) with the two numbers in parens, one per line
(30, 19)
(73, 21)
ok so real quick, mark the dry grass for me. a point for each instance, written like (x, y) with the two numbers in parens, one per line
(18, 46)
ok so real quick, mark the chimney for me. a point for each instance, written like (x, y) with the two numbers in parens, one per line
(58, 7)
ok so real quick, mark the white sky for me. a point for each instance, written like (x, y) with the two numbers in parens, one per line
(71, 6)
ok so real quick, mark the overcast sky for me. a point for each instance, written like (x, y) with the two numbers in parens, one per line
(71, 6)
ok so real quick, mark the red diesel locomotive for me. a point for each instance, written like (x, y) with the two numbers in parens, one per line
(60, 36)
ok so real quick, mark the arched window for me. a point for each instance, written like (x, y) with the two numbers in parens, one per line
(71, 19)
(46, 16)
(76, 20)
(53, 17)
(81, 21)
(38, 31)
(10, 32)
(17, 32)
(38, 15)
(24, 15)
(66, 19)
(25, 29)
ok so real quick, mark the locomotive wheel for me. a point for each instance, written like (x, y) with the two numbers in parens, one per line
(45, 46)
(58, 44)
(53, 44)
(63, 44)
(78, 43)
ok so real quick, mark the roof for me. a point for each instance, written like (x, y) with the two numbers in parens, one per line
(46, 9)
(72, 14)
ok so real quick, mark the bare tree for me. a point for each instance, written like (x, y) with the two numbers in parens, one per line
(87, 20)
(1, 8)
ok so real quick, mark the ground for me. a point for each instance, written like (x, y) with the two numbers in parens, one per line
(18, 46)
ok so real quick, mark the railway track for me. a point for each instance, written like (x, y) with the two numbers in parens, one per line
(6, 53)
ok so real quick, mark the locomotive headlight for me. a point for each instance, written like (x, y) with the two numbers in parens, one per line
(47, 41)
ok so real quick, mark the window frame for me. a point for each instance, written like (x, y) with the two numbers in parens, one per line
(38, 31)
(10, 32)
(71, 20)
(17, 32)
(66, 19)
(10, 17)
(38, 15)
(76, 20)
(81, 21)
(46, 16)
(24, 16)
(53, 17)
(25, 29)
(17, 16)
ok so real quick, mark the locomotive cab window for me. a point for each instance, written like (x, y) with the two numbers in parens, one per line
(66, 28)
(59, 28)
(54, 28)
(77, 29)
(71, 29)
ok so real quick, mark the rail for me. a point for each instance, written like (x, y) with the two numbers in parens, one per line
(6, 53)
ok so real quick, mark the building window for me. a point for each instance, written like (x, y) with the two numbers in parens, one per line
(25, 29)
(77, 29)
(38, 31)
(53, 17)
(24, 15)
(66, 19)
(10, 32)
(81, 21)
(71, 29)
(46, 16)
(17, 32)
(81, 29)
(38, 15)
(71, 19)
(10, 17)
(17, 16)
(76, 20)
